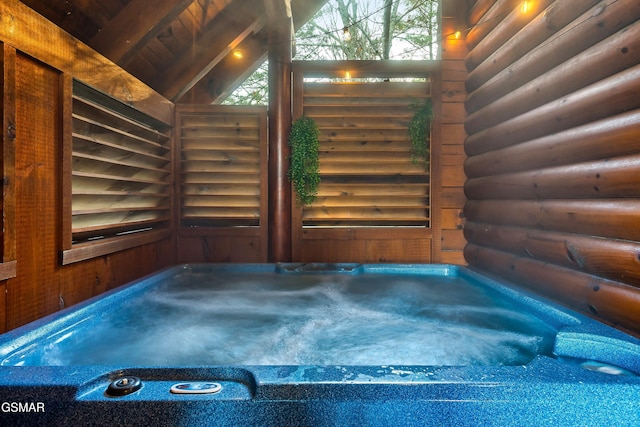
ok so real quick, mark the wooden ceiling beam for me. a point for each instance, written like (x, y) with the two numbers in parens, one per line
(37, 37)
(303, 10)
(134, 26)
(230, 73)
(232, 26)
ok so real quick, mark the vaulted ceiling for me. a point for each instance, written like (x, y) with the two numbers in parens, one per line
(183, 49)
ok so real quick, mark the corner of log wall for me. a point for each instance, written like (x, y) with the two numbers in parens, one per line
(553, 157)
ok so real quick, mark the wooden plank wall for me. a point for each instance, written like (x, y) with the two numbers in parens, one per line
(366, 168)
(367, 176)
(40, 54)
(448, 192)
(221, 164)
(554, 151)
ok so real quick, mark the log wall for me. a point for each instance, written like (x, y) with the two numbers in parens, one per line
(554, 151)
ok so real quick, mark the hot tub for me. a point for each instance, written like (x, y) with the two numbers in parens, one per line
(316, 345)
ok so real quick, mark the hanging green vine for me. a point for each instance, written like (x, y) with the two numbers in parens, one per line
(420, 132)
(304, 167)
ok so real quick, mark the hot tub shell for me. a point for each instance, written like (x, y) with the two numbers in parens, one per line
(550, 390)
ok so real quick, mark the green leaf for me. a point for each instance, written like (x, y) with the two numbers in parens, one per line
(420, 132)
(304, 167)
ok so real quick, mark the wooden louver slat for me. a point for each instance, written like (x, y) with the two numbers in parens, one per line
(367, 176)
(120, 173)
(220, 168)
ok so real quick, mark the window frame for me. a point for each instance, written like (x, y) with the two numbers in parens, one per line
(73, 252)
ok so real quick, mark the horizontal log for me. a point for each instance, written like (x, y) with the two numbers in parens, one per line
(556, 17)
(607, 300)
(613, 218)
(617, 260)
(605, 18)
(608, 178)
(477, 10)
(611, 96)
(484, 16)
(580, 144)
(508, 27)
(611, 56)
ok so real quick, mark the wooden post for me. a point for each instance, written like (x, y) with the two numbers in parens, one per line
(279, 222)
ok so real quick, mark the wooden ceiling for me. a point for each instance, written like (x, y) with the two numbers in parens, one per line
(180, 48)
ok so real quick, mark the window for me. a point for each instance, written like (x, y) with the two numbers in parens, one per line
(367, 175)
(223, 166)
(119, 179)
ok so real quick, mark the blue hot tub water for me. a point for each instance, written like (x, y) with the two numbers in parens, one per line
(324, 341)
(266, 318)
